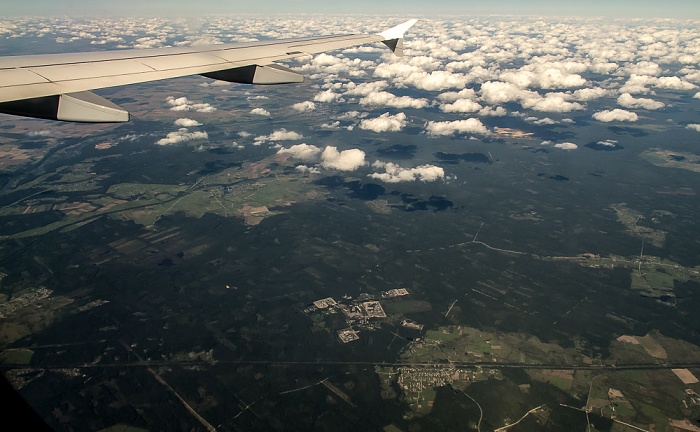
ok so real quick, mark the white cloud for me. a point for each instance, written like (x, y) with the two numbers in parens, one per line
(694, 126)
(385, 123)
(327, 96)
(352, 115)
(643, 68)
(364, 89)
(301, 151)
(497, 92)
(608, 143)
(278, 135)
(330, 126)
(307, 169)
(640, 84)
(215, 83)
(416, 76)
(346, 160)
(462, 106)
(184, 104)
(327, 64)
(566, 146)
(552, 102)
(615, 115)
(42, 133)
(186, 122)
(543, 76)
(383, 98)
(437, 80)
(589, 94)
(260, 111)
(466, 93)
(304, 106)
(470, 125)
(181, 135)
(628, 101)
(673, 83)
(494, 112)
(395, 173)
(543, 121)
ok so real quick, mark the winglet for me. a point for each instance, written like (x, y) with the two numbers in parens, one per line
(393, 38)
(398, 31)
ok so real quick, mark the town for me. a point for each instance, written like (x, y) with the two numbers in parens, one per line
(361, 313)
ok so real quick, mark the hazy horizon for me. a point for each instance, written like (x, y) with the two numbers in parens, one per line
(679, 9)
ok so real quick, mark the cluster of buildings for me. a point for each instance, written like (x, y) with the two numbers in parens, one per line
(32, 297)
(361, 312)
(412, 379)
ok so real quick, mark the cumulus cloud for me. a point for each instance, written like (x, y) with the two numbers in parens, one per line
(332, 64)
(497, 92)
(394, 173)
(615, 115)
(608, 143)
(278, 135)
(327, 96)
(462, 106)
(552, 102)
(260, 111)
(364, 89)
(628, 101)
(466, 93)
(540, 121)
(301, 151)
(186, 122)
(416, 76)
(673, 83)
(184, 104)
(544, 77)
(643, 68)
(385, 123)
(589, 94)
(41, 133)
(346, 160)
(694, 126)
(566, 146)
(638, 84)
(307, 169)
(181, 135)
(389, 99)
(493, 112)
(330, 126)
(470, 125)
(641, 84)
(304, 106)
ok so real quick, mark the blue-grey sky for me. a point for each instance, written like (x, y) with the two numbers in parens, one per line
(169, 8)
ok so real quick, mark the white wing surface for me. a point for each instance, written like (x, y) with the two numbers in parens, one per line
(57, 86)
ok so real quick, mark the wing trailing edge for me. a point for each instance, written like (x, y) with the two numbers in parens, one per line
(57, 86)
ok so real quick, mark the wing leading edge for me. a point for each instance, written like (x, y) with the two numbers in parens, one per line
(57, 86)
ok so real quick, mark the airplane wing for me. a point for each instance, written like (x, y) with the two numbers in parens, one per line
(57, 86)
